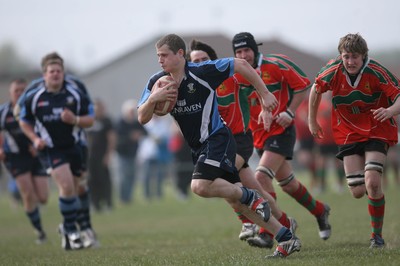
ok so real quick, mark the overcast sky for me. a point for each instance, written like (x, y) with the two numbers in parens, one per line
(88, 33)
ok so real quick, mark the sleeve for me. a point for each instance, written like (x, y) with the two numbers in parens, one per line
(389, 83)
(1, 117)
(87, 107)
(326, 75)
(147, 89)
(26, 114)
(215, 72)
(295, 77)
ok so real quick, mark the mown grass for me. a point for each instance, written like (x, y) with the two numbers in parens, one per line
(201, 232)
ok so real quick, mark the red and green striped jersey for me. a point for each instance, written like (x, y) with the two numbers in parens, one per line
(232, 96)
(352, 105)
(284, 79)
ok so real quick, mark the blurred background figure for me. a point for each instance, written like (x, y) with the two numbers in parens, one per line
(306, 155)
(101, 139)
(392, 163)
(327, 150)
(183, 163)
(21, 160)
(155, 156)
(129, 132)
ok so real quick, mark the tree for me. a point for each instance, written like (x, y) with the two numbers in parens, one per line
(11, 63)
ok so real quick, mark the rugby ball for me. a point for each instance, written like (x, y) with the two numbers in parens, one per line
(163, 108)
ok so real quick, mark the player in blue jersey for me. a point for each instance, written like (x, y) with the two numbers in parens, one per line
(52, 117)
(20, 159)
(88, 235)
(212, 143)
(233, 111)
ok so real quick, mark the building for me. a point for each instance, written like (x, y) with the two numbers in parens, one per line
(126, 76)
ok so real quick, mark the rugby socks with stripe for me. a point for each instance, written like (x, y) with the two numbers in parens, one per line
(69, 210)
(34, 217)
(376, 209)
(303, 197)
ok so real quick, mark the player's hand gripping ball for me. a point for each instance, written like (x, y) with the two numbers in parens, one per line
(165, 107)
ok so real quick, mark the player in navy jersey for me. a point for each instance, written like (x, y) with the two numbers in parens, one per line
(20, 159)
(52, 117)
(88, 235)
(233, 111)
(212, 143)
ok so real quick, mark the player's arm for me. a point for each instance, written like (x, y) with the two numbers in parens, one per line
(269, 101)
(82, 121)
(286, 118)
(28, 130)
(383, 114)
(157, 94)
(26, 123)
(2, 154)
(313, 105)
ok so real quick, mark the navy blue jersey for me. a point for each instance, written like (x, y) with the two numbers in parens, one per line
(43, 110)
(68, 79)
(15, 140)
(196, 110)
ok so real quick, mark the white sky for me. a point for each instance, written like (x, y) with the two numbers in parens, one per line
(88, 33)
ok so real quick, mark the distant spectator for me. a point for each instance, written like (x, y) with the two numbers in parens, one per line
(101, 137)
(327, 149)
(306, 152)
(129, 132)
(183, 162)
(155, 156)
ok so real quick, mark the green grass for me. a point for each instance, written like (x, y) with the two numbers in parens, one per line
(201, 232)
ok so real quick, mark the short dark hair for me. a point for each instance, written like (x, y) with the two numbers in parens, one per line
(201, 46)
(174, 43)
(52, 58)
(353, 43)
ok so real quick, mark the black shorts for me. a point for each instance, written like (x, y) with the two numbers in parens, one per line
(328, 149)
(282, 144)
(216, 157)
(18, 164)
(244, 145)
(361, 147)
(52, 158)
(307, 144)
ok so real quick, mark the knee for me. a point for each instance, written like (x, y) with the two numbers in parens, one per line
(288, 184)
(42, 199)
(264, 172)
(358, 191)
(356, 184)
(374, 188)
(199, 189)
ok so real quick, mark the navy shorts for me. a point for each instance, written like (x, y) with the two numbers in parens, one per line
(18, 164)
(360, 148)
(216, 158)
(52, 158)
(282, 144)
(244, 145)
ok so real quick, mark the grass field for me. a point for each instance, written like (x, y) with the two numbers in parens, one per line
(201, 232)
